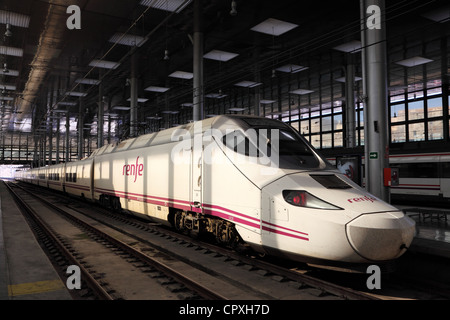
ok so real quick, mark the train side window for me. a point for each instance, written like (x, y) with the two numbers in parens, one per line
(446, 170)
(74, 177)
(418, 170)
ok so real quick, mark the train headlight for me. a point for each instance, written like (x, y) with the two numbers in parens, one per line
(301, 198)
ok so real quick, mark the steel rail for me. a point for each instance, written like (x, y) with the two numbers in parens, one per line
(94, 285)
(189, 283)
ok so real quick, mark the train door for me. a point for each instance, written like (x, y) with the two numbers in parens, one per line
(196, 173)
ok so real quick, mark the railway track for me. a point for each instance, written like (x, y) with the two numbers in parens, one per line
(211, 269)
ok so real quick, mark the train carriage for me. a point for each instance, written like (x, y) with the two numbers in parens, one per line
(244, 179)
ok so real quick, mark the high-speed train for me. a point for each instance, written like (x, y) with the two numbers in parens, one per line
(242, 179)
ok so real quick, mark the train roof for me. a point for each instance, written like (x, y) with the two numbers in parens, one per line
(220, 122)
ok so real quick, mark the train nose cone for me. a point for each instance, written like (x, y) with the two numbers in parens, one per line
(380, 236)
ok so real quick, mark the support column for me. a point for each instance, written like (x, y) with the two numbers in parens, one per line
(133, 95)
(350, 103)
(373, 35)
(80, 129)
(198, 93)
(100, 115)
(67, 158)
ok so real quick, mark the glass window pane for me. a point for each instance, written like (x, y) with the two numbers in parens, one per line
(398, 134)
(338, 139)
(315, 141)
(398, 112)
(361, 134)
(326, 141)
(315, 125)
(304, 127)
(435, 130)
(415, 110)
(416, 131)
(326, 124)
(337, 122)
(294, 125)
(361, 118)
(434, 107)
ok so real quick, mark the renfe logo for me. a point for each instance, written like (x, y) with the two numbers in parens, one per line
(365, 198)
(133, 169)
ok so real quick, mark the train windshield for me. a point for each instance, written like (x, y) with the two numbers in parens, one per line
(273, 140)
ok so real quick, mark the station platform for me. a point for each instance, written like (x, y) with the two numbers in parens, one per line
(25, 271)
(432, 230)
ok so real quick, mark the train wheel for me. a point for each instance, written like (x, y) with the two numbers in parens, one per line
(115, 204)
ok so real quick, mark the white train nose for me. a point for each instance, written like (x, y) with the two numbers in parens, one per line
(380, 236)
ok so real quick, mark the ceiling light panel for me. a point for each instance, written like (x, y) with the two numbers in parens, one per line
(14, 19)
(291, 68)
(182, 75)
(7, 86)
(266, 101)
(139, 99)
(104, 64)
(248, 84)
(76, 94)
(439, 15)
(156, 89)
(301, 91)
(215, 95)
(88, 81)
(352, 46)
(12, 73)
(167, 5)
(128, 39)
(11, 51)
(414, 61)
(274, 27)
(220, 55)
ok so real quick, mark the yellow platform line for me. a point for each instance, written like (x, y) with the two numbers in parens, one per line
(34, 287)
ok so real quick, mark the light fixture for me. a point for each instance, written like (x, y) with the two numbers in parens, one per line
(166, 55)
(5, 68)
(156, 89)
(128, 39)
(301, 91)
(182, 75)
(233, 11)
(274, 74)
(248, 84)
(104, 64)
(8, 32)
(291, 68)
(220, 55)
(274, 27)
(172, 6)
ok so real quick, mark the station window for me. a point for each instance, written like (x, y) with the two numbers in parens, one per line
(416, 131)
(434, 108)
(398, 112)
(327, 141)
(435, 130)
(415, 110)
(304, 127)
(398, 133)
